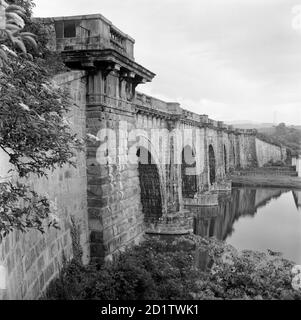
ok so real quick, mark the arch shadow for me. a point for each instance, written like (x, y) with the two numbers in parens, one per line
(212, 165)
(225, 159)
(188, 172)
(151, 178)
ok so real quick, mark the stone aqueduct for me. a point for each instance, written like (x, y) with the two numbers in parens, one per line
(131, 179)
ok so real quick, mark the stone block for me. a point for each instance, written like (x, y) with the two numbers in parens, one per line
(40, 246)
(41, 263)
(36, 290)
(97, 203)
(30, 259)
(95, 224)
(49, 272)
(41, 282)
(94, 213)
(31, 275)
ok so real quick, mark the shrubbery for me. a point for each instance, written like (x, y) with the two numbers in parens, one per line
(190, 267)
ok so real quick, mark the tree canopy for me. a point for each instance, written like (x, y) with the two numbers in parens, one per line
(33, 130)
(11, 30)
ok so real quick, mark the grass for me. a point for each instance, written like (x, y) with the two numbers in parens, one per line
(266, 180)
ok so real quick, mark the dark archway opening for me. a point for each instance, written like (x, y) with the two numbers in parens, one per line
(212, 176)
(234, 160)
(149, 178)
(212, 227)
(289, 156)
(225, 159)
(188, 171)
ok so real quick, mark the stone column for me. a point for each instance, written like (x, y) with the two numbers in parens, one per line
(173, 182)
(206, 161)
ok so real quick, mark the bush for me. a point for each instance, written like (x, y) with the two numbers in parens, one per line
(189, 267)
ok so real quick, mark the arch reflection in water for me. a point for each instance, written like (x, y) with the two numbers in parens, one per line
(297, 198)
(218, 221)
(255, 219)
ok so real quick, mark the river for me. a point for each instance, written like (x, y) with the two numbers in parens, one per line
(256, 219)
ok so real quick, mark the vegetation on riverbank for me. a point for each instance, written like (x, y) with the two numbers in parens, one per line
(189, 267)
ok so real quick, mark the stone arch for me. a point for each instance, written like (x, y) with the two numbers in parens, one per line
(149, 177)
(188, 172)
(155, 169)
(212, 227)
(212, 164)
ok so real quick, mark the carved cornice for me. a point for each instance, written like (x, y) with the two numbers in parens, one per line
(97, 59)
(172, 122)
(139, 109)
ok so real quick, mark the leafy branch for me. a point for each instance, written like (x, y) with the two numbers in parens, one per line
(34, 132)
(12, 25)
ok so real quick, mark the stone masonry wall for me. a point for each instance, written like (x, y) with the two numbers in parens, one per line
(32, 260)
(103, 193)
(114, 206)
(247, 150)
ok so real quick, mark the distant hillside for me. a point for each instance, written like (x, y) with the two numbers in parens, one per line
(249, 125)
(289, 136)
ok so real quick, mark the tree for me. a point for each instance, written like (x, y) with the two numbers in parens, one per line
(33, 133)
(11, 26)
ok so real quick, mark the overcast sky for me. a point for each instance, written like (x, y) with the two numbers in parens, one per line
(233, 60)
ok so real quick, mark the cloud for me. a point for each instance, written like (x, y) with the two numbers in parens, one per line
(243, 58)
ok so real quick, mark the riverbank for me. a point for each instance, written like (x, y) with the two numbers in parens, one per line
(266, 180)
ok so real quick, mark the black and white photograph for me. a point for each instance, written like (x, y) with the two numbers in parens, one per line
(150, 151)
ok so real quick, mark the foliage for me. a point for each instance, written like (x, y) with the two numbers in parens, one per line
(27, 5)
(11, 33)
(52, 61)
(34, 209)
(35, 136)
(34, 132)
(187, 268)
(283, 135)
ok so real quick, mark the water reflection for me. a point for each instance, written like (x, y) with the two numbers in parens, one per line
(297, 198)
(218, 221)
(255, 219)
